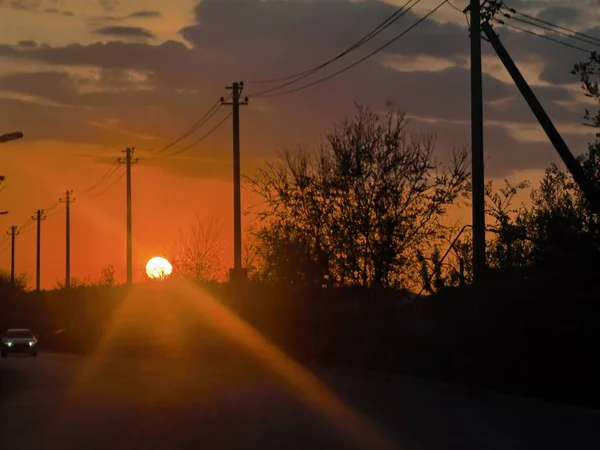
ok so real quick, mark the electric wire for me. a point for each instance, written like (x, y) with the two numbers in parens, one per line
(197, 125)
(364, 58)
(543, 27)
(514, 11)
(543, 36)
(111, 170)
(211, 131)
(398, 14)
(107, 187)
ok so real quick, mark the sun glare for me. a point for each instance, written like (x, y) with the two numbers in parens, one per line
(158, 268)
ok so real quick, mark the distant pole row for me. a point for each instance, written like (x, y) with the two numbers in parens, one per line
(237, 273)
(68, 199)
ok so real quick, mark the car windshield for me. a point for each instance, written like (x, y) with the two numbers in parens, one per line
(19, 334)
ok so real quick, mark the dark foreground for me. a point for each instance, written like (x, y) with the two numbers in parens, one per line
(56, 402)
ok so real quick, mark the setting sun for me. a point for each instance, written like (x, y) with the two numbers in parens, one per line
(158, 268)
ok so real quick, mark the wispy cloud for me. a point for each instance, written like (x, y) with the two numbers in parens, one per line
(123, 31)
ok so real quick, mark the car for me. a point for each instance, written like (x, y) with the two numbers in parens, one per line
(19, 341)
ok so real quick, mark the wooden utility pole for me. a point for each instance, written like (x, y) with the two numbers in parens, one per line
(477, 162)
(128, 161)
(13, 233)
(67, 201)
(39, 216)
(237, 273)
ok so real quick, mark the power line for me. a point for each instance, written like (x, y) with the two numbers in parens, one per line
(399, 13)
(53, 206)
(26, 227)
(562, 33)
(199, 123)
(364, 58)
(109, 173)
(587, 36)
(55, 213)
(543, 36)
(97, 194)
(197, 141)
(453, 6)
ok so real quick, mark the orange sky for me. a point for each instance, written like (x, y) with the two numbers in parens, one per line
(80, 105)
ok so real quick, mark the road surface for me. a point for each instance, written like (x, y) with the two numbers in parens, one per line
(58, 402)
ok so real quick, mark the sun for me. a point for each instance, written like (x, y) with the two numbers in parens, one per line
(158, 268)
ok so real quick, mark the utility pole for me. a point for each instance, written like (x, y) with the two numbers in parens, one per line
(12, 233)
(67, 201)
(237, 273)
(477, 162)
(128, 161)
(39, 216)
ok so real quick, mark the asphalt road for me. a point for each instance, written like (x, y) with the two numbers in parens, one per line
(57, 402)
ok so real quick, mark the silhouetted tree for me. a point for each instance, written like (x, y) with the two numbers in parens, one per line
(21, 281)
(198, 252)
(509, 246)
(356, 211)
(560, 221)
(107, 276)
(589, 75)
(252, 259)
(77, 282)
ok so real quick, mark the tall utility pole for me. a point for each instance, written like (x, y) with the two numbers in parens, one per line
(477, 169)
(67, 201)
(39, 216)
(12, 233)
(237, 273)
(128, 161)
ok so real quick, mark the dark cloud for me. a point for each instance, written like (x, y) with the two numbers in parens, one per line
(118, 31)
(143, 14)
(27, 44)
(561, 15)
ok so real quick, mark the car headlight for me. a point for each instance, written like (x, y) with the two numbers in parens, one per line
(9, 344)
(31, 343)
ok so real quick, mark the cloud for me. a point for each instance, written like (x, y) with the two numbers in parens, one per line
(109, 5)
(562, 15)
(159, 90)
(143, 14)
(58, 11)
(120, 31)
(27, 44)
(558, 59)
(36, 6)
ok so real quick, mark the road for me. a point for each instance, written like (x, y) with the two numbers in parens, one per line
(58, 402)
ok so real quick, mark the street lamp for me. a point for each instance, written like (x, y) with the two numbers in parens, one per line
(11, 137)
